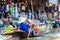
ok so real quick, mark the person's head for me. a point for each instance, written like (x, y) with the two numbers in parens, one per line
(5, 21)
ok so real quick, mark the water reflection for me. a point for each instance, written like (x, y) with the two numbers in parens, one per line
(51, 36)
(43, 38)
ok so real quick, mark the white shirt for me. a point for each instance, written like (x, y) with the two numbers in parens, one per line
(7, 8)
(55, 14)
(23, 7)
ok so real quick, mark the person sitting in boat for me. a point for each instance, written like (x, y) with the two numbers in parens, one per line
(23, 26)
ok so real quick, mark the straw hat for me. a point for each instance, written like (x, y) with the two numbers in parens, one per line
(31, 21)
(22, 19)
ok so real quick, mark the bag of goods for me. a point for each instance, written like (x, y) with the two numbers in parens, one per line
(42, 30)
(49, 28)
(36, 27)
(8, 29)
(36, 30)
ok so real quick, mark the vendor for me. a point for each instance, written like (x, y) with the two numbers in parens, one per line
(24, 26)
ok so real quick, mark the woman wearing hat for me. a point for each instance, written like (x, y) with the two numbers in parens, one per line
(23, 26)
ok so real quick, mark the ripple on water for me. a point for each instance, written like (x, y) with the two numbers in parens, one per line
(51, 36)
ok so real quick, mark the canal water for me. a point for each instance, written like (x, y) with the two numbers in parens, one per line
(50, 36)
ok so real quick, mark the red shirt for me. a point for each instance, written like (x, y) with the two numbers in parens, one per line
(58, 19)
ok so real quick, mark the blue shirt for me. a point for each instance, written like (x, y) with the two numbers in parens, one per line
(18, 15)
(3, 9)
(24, 27)
(18, 10)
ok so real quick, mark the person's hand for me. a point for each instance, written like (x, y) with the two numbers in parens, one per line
(29, 33)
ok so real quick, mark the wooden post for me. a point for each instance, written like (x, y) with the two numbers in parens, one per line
(32, 6)
(32, 10)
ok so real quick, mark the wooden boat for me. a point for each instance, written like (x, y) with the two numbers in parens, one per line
(20, 34)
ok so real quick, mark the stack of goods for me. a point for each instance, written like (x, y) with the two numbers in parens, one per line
(36, 30)
(39, 30)
(9, 29)
(42, 29)
(50, 23)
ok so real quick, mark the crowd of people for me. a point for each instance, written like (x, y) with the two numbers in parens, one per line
(12, 11)
(15, 11)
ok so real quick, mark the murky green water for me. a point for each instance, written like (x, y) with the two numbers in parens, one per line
(43, 38)
(51, 36)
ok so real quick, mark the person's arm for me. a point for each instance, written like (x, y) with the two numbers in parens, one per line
(29, 32)
(21, 26)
